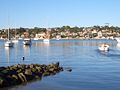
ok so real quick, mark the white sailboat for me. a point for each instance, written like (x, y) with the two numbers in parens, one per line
(9, 42)
(47, 37)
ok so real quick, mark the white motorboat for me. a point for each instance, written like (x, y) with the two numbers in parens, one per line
(27, 41)
(104, 47)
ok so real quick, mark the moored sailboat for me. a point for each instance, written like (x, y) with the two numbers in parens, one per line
(47, 37)
(9, 42)
(15, 40)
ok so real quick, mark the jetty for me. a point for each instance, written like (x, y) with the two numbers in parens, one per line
(22, 73)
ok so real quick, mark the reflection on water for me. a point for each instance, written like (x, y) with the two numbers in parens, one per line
(104, 52)
(118, 46)
(42, 52)
(9, 55)
(7, 51)
(91, 69)
(26, 54)
(47, 50)
(26, 50)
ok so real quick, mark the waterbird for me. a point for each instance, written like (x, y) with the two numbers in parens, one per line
(23, 58)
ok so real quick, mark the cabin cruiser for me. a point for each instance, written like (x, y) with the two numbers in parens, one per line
(27, 41)
(104, 47)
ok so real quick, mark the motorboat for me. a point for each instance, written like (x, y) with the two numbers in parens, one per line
(104, 47)
(27, 41)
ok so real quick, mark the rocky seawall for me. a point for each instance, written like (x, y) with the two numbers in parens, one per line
(22, 73)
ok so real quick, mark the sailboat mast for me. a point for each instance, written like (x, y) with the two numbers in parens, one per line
(8, 34)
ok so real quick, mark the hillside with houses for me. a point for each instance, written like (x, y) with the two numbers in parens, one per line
(64, 32)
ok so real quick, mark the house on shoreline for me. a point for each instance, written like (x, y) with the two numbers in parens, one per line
(66, 32)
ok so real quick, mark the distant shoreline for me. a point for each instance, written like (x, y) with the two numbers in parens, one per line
(70, 39)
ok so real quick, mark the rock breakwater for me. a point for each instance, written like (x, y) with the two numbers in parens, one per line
(22, 73)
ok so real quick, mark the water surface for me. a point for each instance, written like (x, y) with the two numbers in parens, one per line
(91, 69)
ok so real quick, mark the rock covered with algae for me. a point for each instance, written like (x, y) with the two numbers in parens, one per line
(22, 73)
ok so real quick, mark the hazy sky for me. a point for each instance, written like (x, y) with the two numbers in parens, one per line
(56, 13)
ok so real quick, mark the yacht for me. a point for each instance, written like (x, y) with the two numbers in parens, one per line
(27, 41)
(9, 42)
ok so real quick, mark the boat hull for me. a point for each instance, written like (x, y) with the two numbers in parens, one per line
(27, 42)
(104, 47)
(46, 40)
(9, 44)
(15, 41)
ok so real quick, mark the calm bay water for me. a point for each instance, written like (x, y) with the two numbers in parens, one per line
(91, 69)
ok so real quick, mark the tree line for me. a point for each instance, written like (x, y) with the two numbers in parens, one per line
(57, 30)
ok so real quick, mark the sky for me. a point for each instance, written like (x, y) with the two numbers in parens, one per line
(58, 13)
